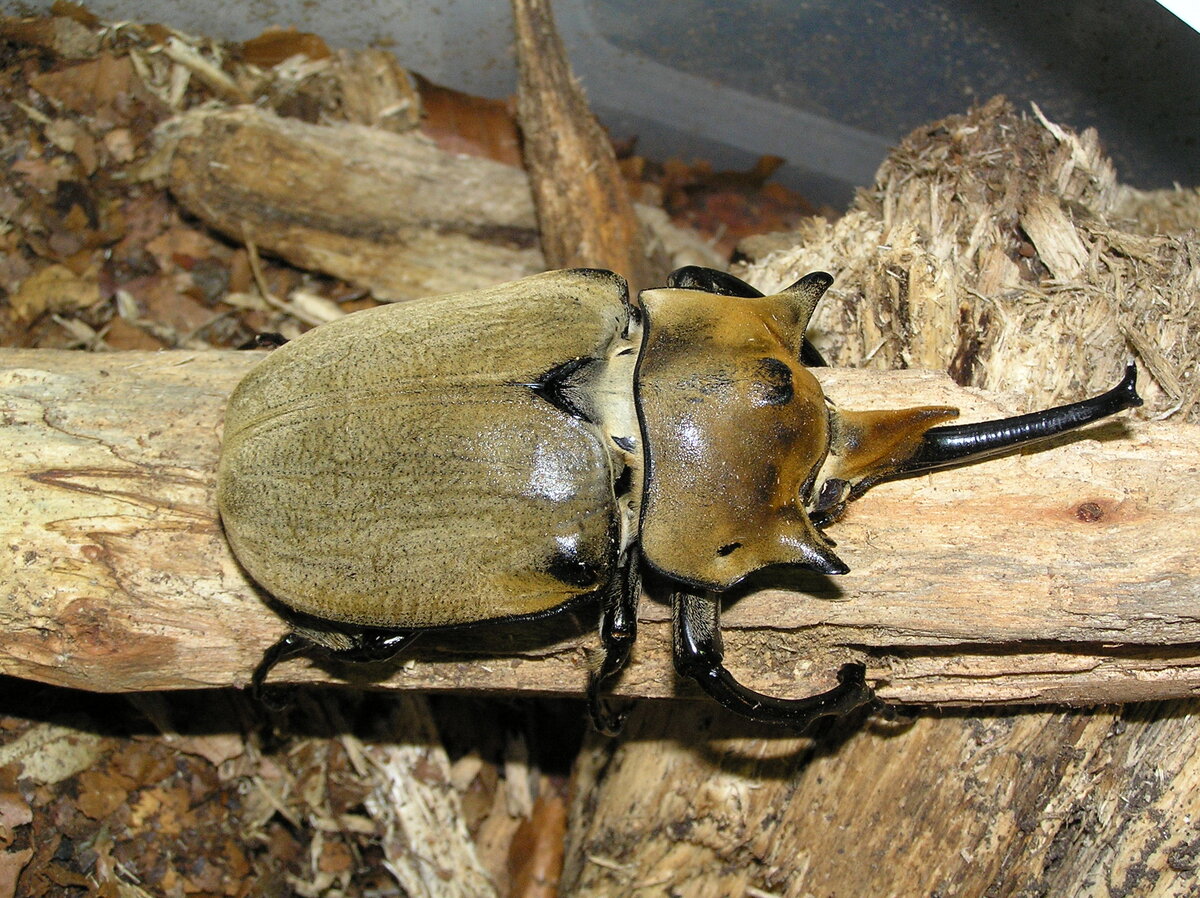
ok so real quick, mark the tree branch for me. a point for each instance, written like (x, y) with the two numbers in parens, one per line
(585, 215)
(1065, 574)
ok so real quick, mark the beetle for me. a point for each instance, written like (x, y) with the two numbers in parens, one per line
(505, 453)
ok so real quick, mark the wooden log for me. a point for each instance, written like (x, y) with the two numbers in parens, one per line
(381, 210)
(1096, 802)
(378, 209)
(1066, 574)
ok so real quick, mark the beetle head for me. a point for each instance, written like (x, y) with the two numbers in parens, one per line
(864, 448)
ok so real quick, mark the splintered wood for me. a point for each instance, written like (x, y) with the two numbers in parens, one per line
(585, 215)
(375, 208)
(981, 584)
(1003, 249)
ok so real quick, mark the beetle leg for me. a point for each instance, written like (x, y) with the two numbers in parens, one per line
(373, 646)
(618, 630)
(699, 654)
(366, 647)
(291, 645)
(265, 340)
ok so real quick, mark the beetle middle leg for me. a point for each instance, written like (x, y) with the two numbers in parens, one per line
(618, 630)
(699, 654)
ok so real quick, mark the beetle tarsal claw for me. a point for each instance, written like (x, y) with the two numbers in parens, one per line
(605, 719)
(382, 476)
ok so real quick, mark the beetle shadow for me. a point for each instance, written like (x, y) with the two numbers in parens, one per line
(790, 578)
(729, 743)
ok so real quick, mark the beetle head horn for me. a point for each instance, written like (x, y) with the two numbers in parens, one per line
(944, 446)
(866, 447)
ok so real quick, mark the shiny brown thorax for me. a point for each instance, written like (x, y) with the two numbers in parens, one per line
(740, 439)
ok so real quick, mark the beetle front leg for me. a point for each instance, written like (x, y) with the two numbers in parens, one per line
(618, 630)
(699, 654)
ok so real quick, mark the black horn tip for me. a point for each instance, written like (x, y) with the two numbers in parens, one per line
(1126, 390)
(816, 282)
(952, 444)
(824, 561)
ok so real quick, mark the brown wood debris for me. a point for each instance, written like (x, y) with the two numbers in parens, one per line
(1001, 248)
(585, 216)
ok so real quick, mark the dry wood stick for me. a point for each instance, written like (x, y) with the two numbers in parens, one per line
(585, 215)
(384, 211)
(1065, 574)
(375, 208)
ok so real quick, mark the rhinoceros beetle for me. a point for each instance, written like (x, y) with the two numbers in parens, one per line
(500, 454)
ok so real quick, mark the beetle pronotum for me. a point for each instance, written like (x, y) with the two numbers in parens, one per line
(500, 454)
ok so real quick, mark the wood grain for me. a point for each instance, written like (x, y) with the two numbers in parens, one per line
(1067, 574)
(585, 215)
(1065, 803)
(378, 209)
(383, 210)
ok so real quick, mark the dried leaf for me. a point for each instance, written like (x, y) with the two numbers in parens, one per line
(123, 335)
(476, 126)
(120, 144)
(101, 792)
(75, 12)
(216, 749)
(168, 807)
(61, 36)
(51, 752)
(536, 856)
(11, 865)
(98, 88)
(275, 45)
(53, 289)
(336, 858)
(14, 812)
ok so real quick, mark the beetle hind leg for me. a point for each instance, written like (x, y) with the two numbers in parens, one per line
(618, 630)
(364, 647)
(375, 646)
(699, 654)
(291, 645)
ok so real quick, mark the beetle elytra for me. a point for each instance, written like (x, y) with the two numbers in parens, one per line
(500, 454)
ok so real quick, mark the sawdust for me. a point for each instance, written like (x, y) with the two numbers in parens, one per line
(1001, 247)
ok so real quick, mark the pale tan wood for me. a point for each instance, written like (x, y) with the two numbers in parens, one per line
(975, 585)
(376, 208)
(389, 212)
(700, 805)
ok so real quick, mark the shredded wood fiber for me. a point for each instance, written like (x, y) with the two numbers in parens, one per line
(1001, 247)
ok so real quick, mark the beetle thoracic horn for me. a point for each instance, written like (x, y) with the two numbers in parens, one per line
(949, 445)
